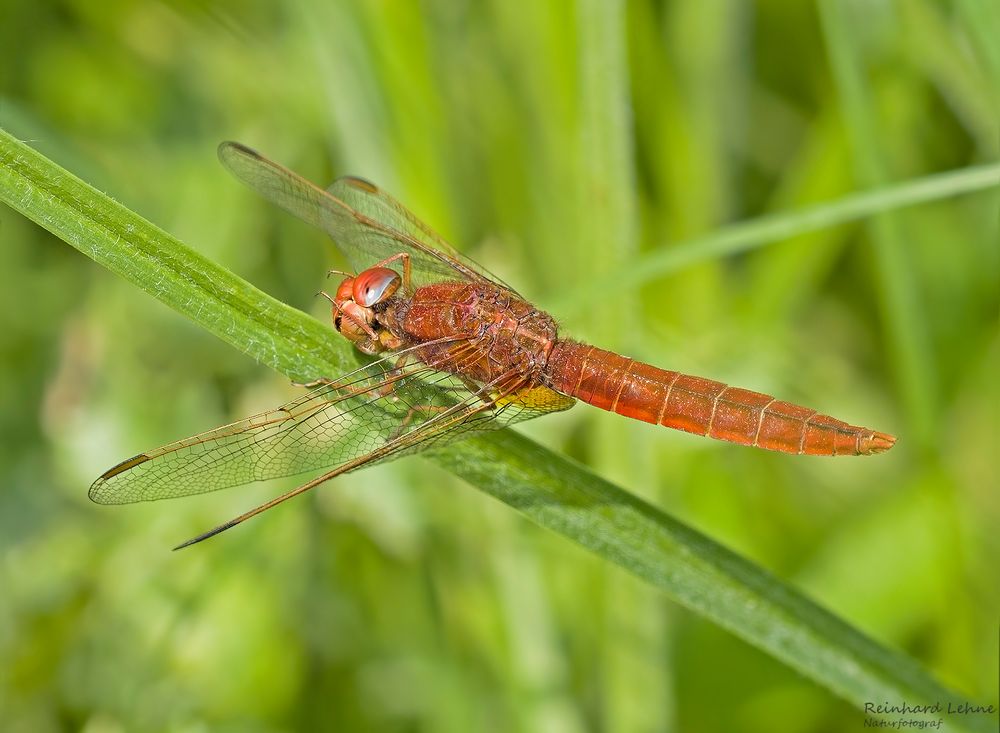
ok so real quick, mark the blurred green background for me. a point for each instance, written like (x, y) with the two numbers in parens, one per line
(555, 143)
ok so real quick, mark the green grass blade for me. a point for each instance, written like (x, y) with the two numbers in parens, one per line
(749, 235)
(145, 255)
(605, 196)
(550, 489)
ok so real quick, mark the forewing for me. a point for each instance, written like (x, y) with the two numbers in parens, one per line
(375, 205)
(365, 223)
(381, 411)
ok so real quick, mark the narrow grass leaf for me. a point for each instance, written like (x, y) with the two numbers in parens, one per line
(759, 232)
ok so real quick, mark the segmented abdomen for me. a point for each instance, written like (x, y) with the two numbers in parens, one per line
(702, 406)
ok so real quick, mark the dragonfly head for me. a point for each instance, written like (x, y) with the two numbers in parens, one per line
(354, 309)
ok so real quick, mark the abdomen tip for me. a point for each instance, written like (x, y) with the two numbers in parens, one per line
(879, 443)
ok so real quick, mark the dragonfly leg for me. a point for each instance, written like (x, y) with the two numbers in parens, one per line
(413, 412)
(383, 390)
(403, 257)
(345, 311)
(489, 398)
(396, 369)
(472, 386)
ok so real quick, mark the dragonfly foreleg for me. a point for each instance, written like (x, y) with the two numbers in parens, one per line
(404, 258)
(348, 389)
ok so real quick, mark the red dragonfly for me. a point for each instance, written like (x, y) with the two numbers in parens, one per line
(451, 350)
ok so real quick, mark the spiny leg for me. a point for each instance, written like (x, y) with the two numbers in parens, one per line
(401, 357)
(458, 359)
(403, 257)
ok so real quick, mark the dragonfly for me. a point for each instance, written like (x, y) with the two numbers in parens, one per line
(446, 350)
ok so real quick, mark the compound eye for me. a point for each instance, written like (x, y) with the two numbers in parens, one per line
(345, 291)
(375, 285)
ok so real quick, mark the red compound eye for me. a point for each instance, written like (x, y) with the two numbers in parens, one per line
(345, 291)
(375, 285)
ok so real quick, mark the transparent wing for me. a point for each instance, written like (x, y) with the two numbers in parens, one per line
(378, 206)
(367, 224)
(381, 411)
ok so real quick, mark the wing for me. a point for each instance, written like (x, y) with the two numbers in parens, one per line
(367, 224)
(377, 206)
(381, 411)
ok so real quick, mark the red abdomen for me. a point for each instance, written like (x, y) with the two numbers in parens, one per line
(702, 406)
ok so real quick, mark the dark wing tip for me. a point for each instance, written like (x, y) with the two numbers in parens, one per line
(230, 147)
(358, 182)
(210, 533)
(96, 494)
